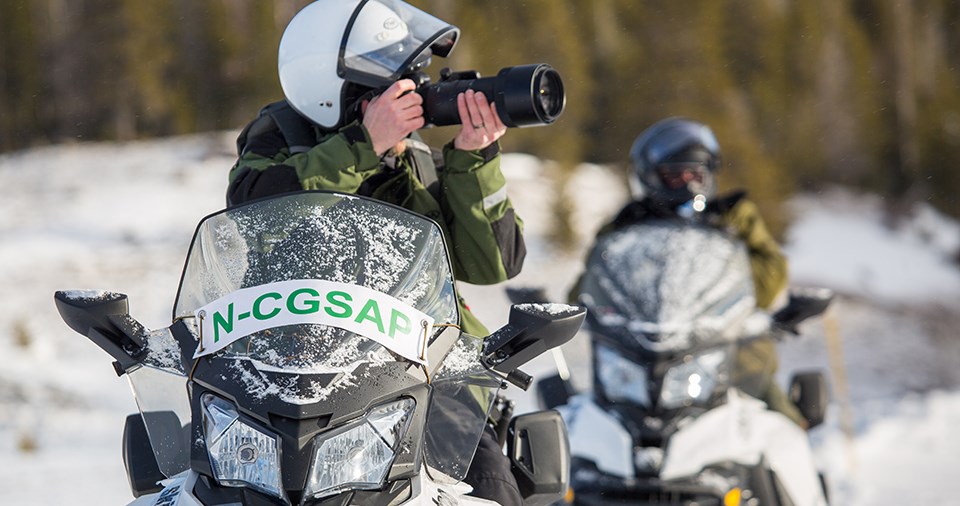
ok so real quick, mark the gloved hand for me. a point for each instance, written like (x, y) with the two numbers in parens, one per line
(715, 214)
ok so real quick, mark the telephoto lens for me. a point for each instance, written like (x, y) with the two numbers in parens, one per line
(525, 95)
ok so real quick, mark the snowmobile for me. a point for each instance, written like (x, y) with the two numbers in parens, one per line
(314, 358)
(667, 421)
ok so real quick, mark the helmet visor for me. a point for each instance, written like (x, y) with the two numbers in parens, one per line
(682, 174)
(385, 37)
(680, 137)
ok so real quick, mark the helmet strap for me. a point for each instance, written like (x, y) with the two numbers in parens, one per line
(354, 109)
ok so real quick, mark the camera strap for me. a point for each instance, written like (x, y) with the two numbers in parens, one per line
(298, 133)
(296, 130)
(425, 162)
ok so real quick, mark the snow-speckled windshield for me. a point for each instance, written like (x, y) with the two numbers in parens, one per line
(666, 285)
(317, 236)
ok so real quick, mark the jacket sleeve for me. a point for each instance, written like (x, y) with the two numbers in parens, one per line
(486, 233)
(339, 162)
(767, 262)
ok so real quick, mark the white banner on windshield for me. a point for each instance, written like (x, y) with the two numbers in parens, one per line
(369, 313)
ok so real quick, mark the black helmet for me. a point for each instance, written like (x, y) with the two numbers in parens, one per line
(674, 161)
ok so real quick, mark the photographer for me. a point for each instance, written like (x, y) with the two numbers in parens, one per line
(366, 144)
(349, 124)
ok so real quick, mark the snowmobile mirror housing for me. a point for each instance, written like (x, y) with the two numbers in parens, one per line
(539, 452)
(104, 318)
(801, 305)
(809, 392)
(531, 330)
(143, 472)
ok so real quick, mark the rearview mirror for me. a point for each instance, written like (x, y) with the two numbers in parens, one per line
(539, 452)
(809, 392)
(801, 305)
(104, 318)
(531, 330)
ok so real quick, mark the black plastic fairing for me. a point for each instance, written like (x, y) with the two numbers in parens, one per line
(593, 487)
(187, 342)
(657, 364)
(143, 472)
(298, 425)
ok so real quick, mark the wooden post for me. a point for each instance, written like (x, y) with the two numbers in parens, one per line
(841, 386)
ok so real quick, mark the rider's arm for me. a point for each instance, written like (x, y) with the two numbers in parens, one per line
(767, 262)
(486, 233)
(340, 162)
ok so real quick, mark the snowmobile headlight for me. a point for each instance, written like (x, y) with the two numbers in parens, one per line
(240, 455)
(692, 381)
(622, 379)
(359, 455)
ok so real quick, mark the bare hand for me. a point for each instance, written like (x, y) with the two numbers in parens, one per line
(481, 124)
(393, 115)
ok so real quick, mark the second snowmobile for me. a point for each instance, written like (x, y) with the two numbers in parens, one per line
(667, 421)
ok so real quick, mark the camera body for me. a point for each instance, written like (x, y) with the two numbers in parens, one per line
(525, 95)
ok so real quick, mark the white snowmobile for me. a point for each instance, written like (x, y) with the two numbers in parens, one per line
(314, 359)
(666, 422)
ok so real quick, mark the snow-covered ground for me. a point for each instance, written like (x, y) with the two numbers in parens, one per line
(120, 217)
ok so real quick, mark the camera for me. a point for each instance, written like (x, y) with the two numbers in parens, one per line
(525, 95)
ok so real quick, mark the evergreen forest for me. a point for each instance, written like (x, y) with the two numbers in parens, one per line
(802, 94)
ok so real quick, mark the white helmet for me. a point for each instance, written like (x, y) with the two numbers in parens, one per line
(371, 43)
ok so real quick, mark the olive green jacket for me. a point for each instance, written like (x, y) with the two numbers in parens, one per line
(767, 262)
(469, 200)
(757, 362)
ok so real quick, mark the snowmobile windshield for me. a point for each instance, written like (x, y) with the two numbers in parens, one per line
(666, 286)
(159, 386)
(316, 282)
(464, 392)
(386, 37)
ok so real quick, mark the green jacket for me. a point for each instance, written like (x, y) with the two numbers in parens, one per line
(767, 262)
(468, 200)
